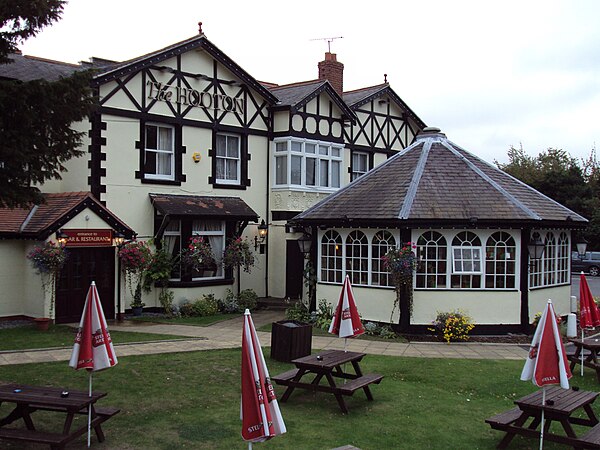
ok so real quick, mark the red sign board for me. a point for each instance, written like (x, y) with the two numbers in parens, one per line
(89, 238)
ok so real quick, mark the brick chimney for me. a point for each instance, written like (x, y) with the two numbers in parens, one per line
(333, 71)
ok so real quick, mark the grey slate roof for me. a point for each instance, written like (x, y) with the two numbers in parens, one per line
(28, 68)
(358, 95)
(291, 95)
(435, 181)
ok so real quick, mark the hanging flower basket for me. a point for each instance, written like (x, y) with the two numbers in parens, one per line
(401, 264)
(135, 257)
(198, 254)
(48, 260)
(238, 254)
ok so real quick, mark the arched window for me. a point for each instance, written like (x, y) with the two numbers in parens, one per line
(549, 259)
(383, 241)
(432, 255)
(563, 258)
(331, 257)
(466, 261)
(500, 261)
(357, 257)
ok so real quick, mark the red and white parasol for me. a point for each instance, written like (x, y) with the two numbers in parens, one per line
(547, 362)
(260, 414)
(346, 320)
(93, 349)
(589, 316)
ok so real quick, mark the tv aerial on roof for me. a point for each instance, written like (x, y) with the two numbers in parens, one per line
(329, 40)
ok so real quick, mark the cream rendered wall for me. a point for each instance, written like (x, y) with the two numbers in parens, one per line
(13, 299)
(374, 304)
(280, 121)
(379, 158)
(560, 296)
(484, 307)
(128, 198)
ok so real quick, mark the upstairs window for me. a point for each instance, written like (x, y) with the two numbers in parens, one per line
(312, 164)
(360, 164)
(159, 152)
(228, 159)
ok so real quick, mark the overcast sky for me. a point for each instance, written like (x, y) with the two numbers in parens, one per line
(489, 74)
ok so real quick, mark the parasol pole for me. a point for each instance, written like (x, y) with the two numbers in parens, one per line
(582, 339)
(542, 424)
(250, 445)
(89, 412)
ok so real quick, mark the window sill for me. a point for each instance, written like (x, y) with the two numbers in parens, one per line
(160, 181)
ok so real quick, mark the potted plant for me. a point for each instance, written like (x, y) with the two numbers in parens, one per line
(137, 304)
(48, 259)
(135, 258)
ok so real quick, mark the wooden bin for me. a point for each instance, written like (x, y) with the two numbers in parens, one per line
(290, 339)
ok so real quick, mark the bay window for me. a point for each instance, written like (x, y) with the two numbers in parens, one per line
(305, 163)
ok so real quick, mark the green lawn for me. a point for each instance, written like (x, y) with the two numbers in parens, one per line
(192, 400)
(22, 338)
(195, 321)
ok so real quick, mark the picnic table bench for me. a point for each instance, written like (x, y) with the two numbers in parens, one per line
(329, 365)
(560, 406)
(589, 348)
(28, 399)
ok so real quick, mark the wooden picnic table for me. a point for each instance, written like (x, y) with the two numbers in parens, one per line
(28, 399)
(561, 404)
(328, 364)
(590, 347)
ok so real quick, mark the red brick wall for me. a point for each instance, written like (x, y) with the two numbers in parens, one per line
(333, 71)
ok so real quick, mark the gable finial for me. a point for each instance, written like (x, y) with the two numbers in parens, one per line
(200, 28)
(385, 77)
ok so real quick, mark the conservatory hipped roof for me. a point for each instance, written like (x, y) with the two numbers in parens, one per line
(434, 181)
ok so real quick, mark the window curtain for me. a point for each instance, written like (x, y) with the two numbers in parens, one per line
(212, 230)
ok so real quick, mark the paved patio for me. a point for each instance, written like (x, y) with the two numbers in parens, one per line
(228, 334)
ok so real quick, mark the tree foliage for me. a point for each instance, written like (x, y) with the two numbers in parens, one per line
(36, 137)
(553, 172)
(22, 19)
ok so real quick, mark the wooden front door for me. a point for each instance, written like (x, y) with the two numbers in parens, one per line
(294, 269)
(84, 265)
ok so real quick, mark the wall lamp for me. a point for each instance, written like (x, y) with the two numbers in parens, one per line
(536, 248)
(259, 241)
(119, 239)
(581, 247)
(61, 237)
(305, 243)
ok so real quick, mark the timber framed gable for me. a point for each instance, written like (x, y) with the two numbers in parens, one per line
(385, 123)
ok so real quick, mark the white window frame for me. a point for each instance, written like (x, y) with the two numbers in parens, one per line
(157, 151)
(326, 154)
(552, 268)
(226, 158)
(358, 171)
(217, 252)
(467, 255)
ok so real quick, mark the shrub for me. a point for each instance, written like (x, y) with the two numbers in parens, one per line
(324, 315)
(229, 305)
(166, 301)
(205, 306)
(247, 300)
(186, 309)
(452, 326)
(382, 331)
(298, 311)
